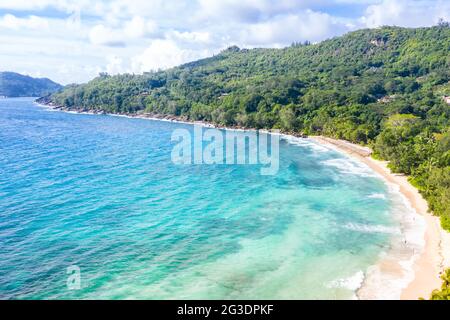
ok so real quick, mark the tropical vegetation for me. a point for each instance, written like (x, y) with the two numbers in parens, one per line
(444, 293)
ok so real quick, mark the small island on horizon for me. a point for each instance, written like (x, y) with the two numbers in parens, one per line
(14, 85)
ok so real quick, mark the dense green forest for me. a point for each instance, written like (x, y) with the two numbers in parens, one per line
(444, 292)
(382, 87)
(16, 85)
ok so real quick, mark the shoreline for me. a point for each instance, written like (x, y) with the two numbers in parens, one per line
(434, 257)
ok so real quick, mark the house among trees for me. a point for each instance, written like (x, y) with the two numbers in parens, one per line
(446, 99)
(387, 99)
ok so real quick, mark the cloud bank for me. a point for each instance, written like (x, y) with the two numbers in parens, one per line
(71, 41)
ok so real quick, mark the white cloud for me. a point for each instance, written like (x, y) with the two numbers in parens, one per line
(10, 21)
(138, 27)
(405, 13)
(163, 54)
(26, 4)
(115, 65)
(74, 39)
(196, 37)
(281, 30)
(118, 34)
(69, 6)
(251, 10)
(101, 35)
(169, 11)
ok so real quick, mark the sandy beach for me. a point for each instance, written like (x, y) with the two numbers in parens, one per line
(435, 256)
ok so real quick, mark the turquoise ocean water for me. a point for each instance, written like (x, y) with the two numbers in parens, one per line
(100, 193)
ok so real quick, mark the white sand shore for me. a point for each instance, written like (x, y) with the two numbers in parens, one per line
(435, 256)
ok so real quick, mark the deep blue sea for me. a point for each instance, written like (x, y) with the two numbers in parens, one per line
(99, 194)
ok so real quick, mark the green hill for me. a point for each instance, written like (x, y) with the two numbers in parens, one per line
(17, 85)
(382, 87)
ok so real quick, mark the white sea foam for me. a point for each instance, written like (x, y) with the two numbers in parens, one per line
(307, 143)
(366, 228)
(353, 282)
(377, 196)
(348, 166)
(395, 271)
(383, 280)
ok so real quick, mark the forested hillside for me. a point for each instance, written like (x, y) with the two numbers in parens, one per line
(383, 87)
(16, 85)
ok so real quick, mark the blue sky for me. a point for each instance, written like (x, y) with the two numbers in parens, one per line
(72, 41)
